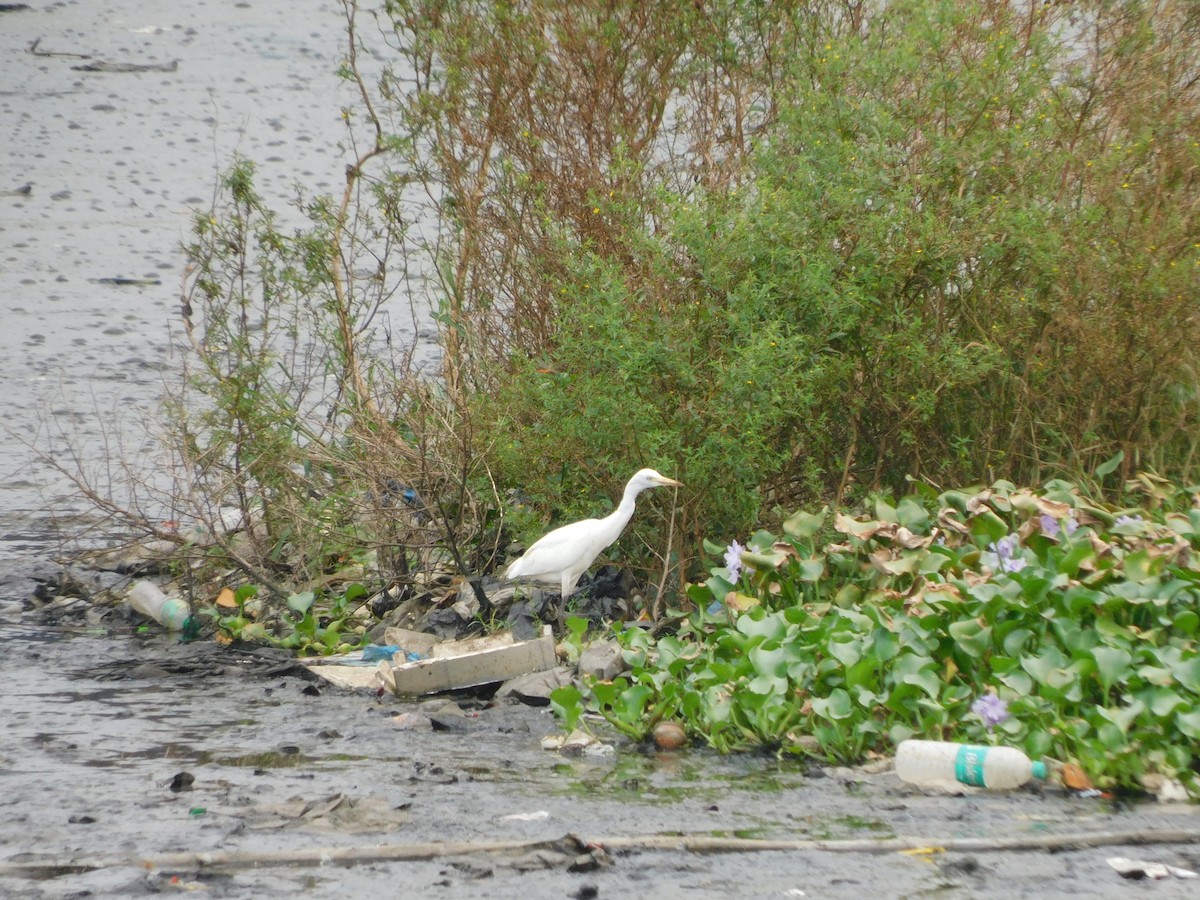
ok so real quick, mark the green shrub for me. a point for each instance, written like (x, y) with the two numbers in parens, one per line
(789, 253)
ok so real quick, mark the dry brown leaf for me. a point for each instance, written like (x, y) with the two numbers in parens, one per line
(785, 548)
(226, 599)
(1024, 500)
(979, 501)
(941, 587)
(1054, 508)
(847, 525)
(948, 519)
(910, 541)
(1027, 528)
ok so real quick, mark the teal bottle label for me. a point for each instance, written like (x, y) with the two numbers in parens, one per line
(968, 765)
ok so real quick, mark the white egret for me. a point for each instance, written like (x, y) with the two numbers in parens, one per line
(564, 554)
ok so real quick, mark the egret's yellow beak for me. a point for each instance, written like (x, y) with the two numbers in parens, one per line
(669, 482)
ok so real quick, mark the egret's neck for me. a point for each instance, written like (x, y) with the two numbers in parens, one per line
(616, 520)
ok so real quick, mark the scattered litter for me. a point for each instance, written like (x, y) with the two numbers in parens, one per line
(486, 660)
(353, 675)
(1173, 791)
(431, 666)
(367, 656)
(170, 612)
(1075, 778)
(1167, 790)
(1134, 868)
(376, 652)
(538, 816)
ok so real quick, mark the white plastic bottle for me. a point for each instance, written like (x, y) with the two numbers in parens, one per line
(170, 612)
(998, 768)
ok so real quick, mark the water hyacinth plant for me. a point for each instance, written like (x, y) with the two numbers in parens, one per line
(956, 616)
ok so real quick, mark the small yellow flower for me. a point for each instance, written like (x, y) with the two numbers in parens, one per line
(595, 209)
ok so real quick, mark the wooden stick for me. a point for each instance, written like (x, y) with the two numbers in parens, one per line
(34, 49)
(223, 861)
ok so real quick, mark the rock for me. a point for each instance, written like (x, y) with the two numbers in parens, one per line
(576, 742)
(446, 715)
(602, 660)
(535, 688)
(412, 721)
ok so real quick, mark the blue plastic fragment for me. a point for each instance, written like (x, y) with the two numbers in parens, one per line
(376, 652)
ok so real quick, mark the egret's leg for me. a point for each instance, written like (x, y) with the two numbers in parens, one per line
(568, 588)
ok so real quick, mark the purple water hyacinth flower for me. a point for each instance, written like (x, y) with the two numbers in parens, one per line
(733, 560)
(991, 709)
(1005, 551)
(1005, 547)
(1051, 527)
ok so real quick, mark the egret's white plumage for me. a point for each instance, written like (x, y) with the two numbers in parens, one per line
(563, 555)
